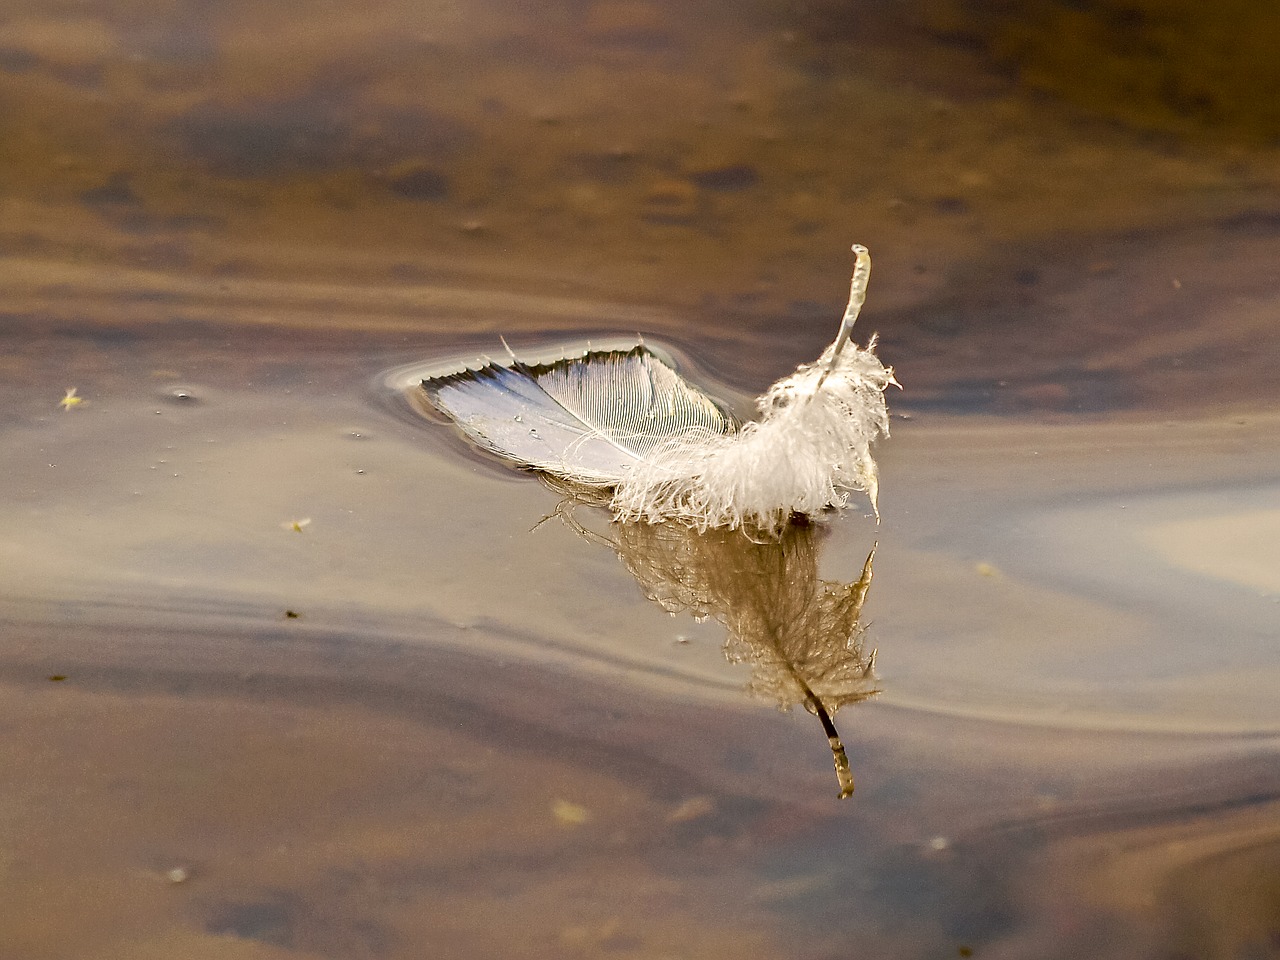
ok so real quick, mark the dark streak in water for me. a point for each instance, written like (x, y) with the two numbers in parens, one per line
(1252, 223)
(315, 131)
(1151, 810)
(492, 700)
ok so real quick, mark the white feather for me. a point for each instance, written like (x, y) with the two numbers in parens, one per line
(624, 419)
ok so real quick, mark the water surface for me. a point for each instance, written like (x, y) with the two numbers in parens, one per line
(288, 671)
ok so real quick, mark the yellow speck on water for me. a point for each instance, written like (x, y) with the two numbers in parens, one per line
(70, 400)
(590, 937)
(692, 809)
(987, 569)
(296, 525)
(570, 814)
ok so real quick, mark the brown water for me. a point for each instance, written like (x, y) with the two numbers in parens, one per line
(418, 723)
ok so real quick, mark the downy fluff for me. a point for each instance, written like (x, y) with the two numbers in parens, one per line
(809, 450)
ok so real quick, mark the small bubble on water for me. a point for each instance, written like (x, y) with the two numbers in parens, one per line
(182, 395)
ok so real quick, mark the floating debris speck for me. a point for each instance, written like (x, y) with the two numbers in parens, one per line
(570, 814)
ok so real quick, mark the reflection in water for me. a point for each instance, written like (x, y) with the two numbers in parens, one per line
(800, 634)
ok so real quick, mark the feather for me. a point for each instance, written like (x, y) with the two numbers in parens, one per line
(626, 421)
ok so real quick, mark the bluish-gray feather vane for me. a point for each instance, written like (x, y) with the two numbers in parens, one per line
(589, 419)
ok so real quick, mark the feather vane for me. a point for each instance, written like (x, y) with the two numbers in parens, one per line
(587, 420)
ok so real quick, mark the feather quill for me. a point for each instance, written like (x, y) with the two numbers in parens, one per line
(626, 421)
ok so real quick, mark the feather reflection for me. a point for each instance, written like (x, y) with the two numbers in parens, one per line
(801, 635)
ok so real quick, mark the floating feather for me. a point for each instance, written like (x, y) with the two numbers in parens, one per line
(624, 420)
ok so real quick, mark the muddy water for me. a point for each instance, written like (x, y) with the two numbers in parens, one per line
(288, 671)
